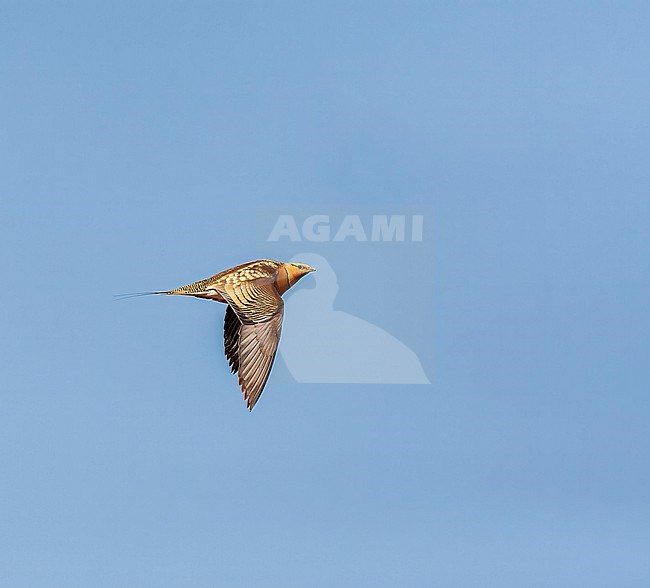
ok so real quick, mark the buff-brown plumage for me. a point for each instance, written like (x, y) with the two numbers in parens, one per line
(253, 322)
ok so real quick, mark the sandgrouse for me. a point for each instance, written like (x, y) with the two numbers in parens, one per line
(253, 322)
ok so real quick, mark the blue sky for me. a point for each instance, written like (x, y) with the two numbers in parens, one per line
(140, 145)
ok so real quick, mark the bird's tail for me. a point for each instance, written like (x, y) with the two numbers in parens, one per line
(193, 289)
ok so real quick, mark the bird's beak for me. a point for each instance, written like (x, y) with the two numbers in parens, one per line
(310, 269)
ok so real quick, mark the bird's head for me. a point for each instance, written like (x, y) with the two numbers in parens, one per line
(303, 268)
(297, 270)
(300, 269)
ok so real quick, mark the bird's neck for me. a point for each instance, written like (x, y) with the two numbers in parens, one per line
(286, 277)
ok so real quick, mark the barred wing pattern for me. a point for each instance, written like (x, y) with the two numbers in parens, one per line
(252, 328)
(258, 344)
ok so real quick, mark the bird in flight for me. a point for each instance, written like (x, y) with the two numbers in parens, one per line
(253, 322)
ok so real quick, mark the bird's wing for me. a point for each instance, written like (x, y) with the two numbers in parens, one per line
(258, 344)
(259, 310)
(231, 328)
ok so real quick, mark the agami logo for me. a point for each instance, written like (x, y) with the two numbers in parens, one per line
(318, 228)
(329, 337)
